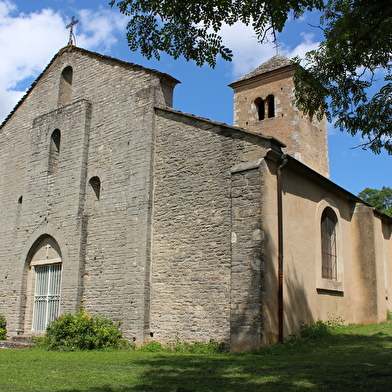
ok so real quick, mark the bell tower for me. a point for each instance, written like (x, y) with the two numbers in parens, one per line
(263, 103)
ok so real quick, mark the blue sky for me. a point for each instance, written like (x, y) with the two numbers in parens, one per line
(32, 32)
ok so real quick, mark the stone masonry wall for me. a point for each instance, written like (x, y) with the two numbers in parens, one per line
(56, 198)
(304, 136)
(193, 278)
(247, 264)
(104, 243)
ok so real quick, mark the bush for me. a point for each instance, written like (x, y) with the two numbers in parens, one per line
(152, 347)
(207, 348)
(3, 329)
(81, 332)
(313, 331)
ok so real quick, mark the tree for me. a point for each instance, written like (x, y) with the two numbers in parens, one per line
(189, 28)
(337, 78)
(380, 199)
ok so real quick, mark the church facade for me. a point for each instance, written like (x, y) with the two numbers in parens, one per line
(178, 226)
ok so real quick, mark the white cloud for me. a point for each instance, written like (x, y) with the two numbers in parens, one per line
(305, 46)
(29, 41)
(100, 28)
(249, 53)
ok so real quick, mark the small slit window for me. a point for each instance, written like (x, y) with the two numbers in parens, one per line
(328, 245)
(54, 151)
(18, 212)
(95, 184)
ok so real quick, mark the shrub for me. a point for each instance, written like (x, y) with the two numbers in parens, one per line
(152, 347)
(81, 332)
(207, 348)
(335, 322)
(3, 329)
(389, 315)
(314, 331)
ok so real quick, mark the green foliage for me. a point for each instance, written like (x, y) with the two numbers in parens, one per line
(334, 322)
(152, 347)
(207, 348)
(197, 347)
(189, 29)
(3, 329)
(355, 358)
(389, 315)
(315, 330)
(307, 334)
(339, 76)
(81, 332)
(380, 199)
(311, 332)
(180, 347)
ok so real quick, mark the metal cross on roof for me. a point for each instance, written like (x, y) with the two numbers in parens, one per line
(276, 47)
(71, 34)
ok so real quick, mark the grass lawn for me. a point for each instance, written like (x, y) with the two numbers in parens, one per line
(355, 358)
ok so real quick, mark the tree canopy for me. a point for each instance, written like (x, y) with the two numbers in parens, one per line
(337, 79)
(339, 76)
(380, 199)
(189, 28)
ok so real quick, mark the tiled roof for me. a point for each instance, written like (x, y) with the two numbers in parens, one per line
(272, 64)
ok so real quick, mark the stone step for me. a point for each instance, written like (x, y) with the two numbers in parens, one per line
(15, 344)
(22, 339)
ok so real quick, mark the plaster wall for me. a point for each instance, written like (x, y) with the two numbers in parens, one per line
(358, 295)
(384, 252)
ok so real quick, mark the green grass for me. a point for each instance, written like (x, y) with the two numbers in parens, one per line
(355, 358)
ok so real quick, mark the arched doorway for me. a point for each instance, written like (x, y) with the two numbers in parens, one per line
(44, 284)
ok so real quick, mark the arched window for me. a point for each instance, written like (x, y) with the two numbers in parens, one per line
(45, 283)
(328, 244)
(65, 85)
(54, 151)
(95, 184)
(270, 101)
(260, 106)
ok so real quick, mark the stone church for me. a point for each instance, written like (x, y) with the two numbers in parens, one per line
(175, 225)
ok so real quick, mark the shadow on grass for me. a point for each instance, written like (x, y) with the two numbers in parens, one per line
(342, 362)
